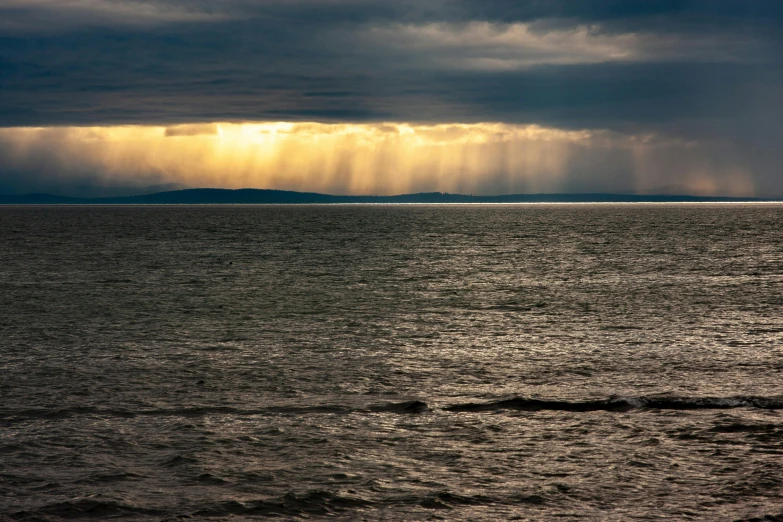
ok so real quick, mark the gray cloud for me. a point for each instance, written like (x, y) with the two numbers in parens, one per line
(485, 46)
(21, 17)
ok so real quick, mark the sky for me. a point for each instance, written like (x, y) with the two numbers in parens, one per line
(380, 97)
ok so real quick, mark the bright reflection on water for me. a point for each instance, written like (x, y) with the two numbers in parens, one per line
(251, 361)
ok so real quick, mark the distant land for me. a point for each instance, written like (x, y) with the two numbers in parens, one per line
(208, 196)
(91, 190)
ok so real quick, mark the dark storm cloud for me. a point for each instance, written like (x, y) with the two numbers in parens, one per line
(103, 61)
(706, 11)
(697, 69)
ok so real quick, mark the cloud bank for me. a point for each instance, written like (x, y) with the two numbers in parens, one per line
(57, 16)
(506, 47)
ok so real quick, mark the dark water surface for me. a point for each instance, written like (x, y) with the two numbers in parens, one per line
(595, 362)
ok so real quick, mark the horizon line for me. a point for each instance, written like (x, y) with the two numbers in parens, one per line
(397, 195)
(255, 196)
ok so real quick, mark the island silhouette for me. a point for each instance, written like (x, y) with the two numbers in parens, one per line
(212, 196)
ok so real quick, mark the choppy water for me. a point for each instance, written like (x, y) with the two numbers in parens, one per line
(597, 362)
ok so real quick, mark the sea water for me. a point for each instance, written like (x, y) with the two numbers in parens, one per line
(591, 362)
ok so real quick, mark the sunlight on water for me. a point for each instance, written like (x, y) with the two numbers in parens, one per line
(392, 362)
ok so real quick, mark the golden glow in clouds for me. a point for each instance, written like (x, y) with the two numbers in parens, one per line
(386, 158)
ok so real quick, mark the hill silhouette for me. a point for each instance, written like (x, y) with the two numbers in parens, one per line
(209, 196)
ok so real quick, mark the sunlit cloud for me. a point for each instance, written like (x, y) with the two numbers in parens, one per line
(198, 129)
(59, 15)
(386, 158)
(510, 46)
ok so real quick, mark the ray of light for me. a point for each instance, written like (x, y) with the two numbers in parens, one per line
(385, 158)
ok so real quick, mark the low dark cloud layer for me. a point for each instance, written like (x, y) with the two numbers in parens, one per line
(709, 71)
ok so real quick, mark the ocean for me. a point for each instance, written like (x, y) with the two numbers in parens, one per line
(392, 362)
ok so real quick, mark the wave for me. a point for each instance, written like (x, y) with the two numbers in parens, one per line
(624, 404)
(312, 503)
(766, 518)
(447, 500)
(203, 411)
(328, 503)
(611, 404)
(85, 508)
(401, 407)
